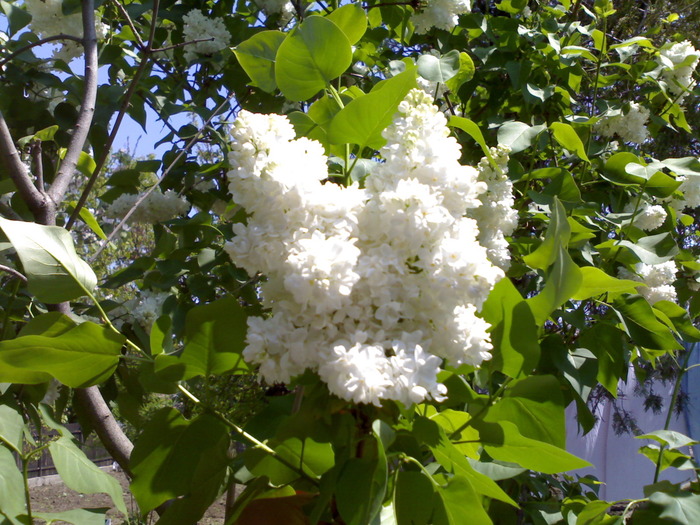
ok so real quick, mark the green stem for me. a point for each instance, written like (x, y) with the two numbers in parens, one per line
(346, 171)
(6, 313)
(409, 459)
(25, 479)
(671, 408)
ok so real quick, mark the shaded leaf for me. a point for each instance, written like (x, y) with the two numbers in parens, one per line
(257, 58)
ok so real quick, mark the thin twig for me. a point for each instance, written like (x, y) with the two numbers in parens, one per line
(129, 21)
(38, 165)
(39, 43)
(181, 44)
(13, 272)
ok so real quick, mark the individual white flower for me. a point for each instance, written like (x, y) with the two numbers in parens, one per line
(371, 288)
(658, 279)
(157, 207)
(441, 14)
(284, 8)
(678, 62)
(199, 27)
(48, 20)
(630, 127)
(648, 217)
(495, 216)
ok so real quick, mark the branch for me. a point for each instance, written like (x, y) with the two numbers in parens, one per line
(40, 42)
(35, 151)
(125, 14)
(35, 199)
(87, 108)
(12, 272)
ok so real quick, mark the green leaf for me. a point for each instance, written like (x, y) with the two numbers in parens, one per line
(536, 406)
(512, 6)
(352, 20)
(312, 55)
(640, 323)
(607, 343)
(214, 341)
(363, 119)
(565, 135)
(683, 507)
(465, 73)
(449, 456)
(513, 331)
(76, 470)
(558, 234)
(456, 425)
(75, 516)
(18, 18)
(172, 456)
(257, 58)
(615, 169)
(313, 457)
(596, 282)
(562, 283)
(54, 270)
(457, 503)
(412, 493)
(471, 128)
(502, 441)
(561, 184)
(362, 484)
(438, 69)
(680, 318)
(11, 489)
(518, 135)
(89, 219)
(83, 356)
(669, 438)
(11, 428)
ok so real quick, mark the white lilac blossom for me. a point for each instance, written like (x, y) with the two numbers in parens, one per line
(658, 279)
(199, 27)
(678, 62)
(441, 14)
(648, 217)
(284, 8)
(372, 288)
(156, 207)
(495, 215)
(147, 307)
(48, 20)
(630, 127)
(690, 188)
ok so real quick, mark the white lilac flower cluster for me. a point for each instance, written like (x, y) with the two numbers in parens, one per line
(648, 217)
(372, 288)
(156, 207)
(199, 27)
(495, 215)
(48, 20)
(147, 307)
(630, 127)
(658, 279)
(690, 188)
(677, 63)
(441, 14)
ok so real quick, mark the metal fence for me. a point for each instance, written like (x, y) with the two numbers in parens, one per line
(42, 465)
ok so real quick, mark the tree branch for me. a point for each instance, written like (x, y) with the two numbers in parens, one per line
(13, 272)
(87, 108)
(40, 42)
(35, 199)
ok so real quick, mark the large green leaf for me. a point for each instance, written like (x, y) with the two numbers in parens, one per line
(257, 58)
(457, 503)
(513, 331)
(11, 428)
(312, 55)
(412, 493)
(470, 127)
(640, 323)
(363, 119)
(214, 340)
(679, 318)
(464, 74)
(503, 442)
(563, 281)
(352, 20)
(567, 137)
(76, 470)
(54, 270)
(535, 405)
(83, 356)
(682, 507)
(17, 17)
(173, 455)
(607, 344)
(362, 484)
(438, 69)
(518, 135)
(75, 516)
(596, 282)
(314, 458)
(11, 489)
(557, 235)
